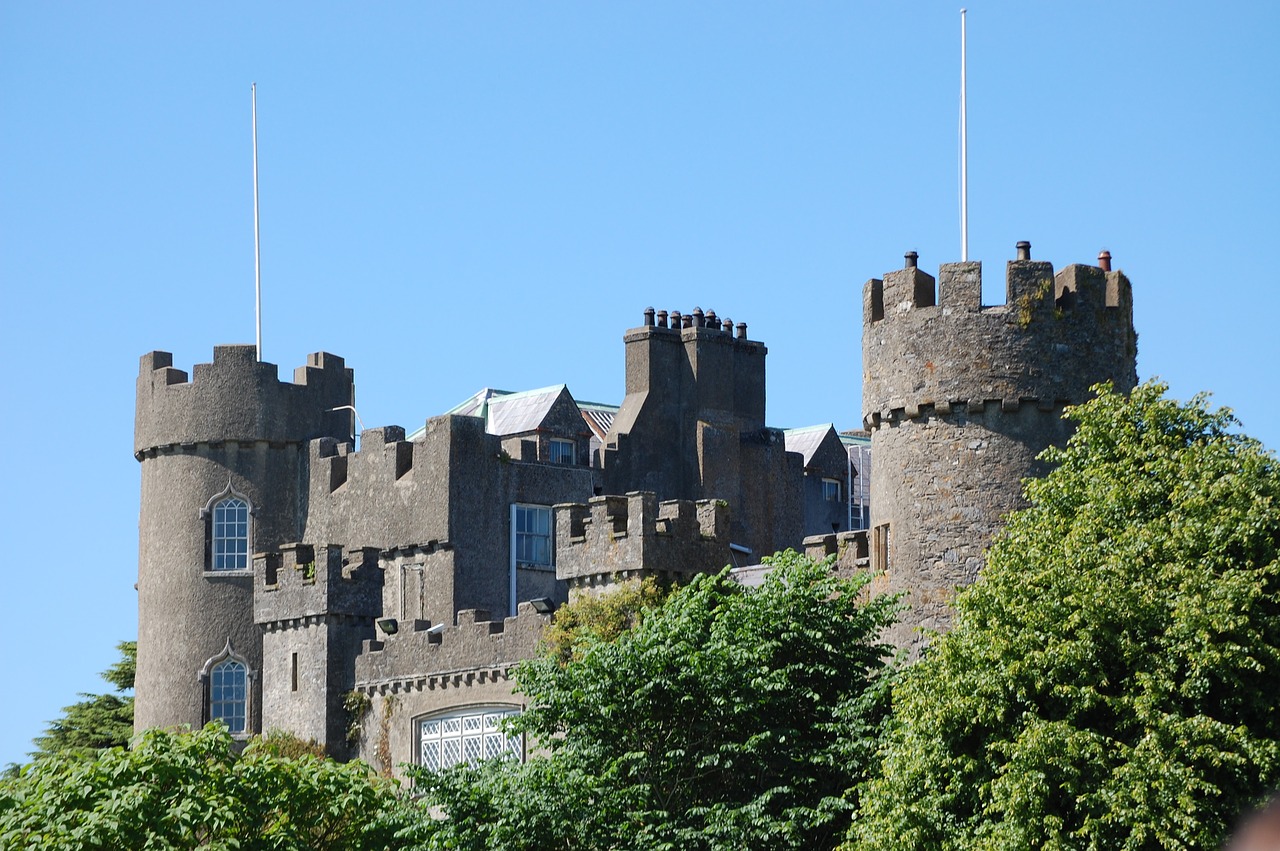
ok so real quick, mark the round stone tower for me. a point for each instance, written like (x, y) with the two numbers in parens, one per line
(959, 399)
(223, 476)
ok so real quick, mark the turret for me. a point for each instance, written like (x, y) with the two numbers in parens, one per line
(960, 398)
(223, 476)
(316, 605)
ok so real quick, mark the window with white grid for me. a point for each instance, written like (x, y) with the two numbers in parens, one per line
(532, 535)
(231, 534)
(467, 737)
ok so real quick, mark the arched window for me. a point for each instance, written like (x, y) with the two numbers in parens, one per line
(467, 736)
(229, 694)
(231, 534)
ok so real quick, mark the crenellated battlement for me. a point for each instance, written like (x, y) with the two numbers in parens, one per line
(238, 398)
(932, 346)
(612, 538)
(299, 582)
(476, 648)
(384, 457)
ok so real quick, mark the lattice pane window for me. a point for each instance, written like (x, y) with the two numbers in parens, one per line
(228, 694)
(231, 534)
(467, 737)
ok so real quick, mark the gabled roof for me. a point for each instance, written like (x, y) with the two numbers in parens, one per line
(807, 440)
(505, 412)
(598, 416)
(516, 413)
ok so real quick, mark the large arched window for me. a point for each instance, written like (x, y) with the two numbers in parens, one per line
(231, 534)
(467, 736)
(229, 694)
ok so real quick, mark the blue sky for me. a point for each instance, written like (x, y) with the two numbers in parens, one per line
(466, 195)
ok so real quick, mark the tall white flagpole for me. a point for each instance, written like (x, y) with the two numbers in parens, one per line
(257, 244)
(964, 152)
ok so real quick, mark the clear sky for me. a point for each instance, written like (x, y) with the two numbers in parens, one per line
(488, 194)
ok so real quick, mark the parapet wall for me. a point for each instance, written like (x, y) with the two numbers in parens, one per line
(239, 398)
(419, 656)
(312, 580)
(939, 347)
(619, 537)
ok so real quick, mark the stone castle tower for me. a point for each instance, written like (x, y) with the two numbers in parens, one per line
(960, 398)
(228, 449)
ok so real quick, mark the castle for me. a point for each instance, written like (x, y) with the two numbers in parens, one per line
(377, 600)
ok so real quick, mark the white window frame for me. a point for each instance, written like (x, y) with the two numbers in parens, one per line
(215, 529)
(556, 448)
(208, 676)
(838, 489)
(466, 735)
(229, 692)
(514, 546)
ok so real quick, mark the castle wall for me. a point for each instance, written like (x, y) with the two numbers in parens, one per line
(960, 398)
(452, 488)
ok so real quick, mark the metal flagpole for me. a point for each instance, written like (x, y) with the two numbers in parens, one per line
(964, 153)
(257, 245)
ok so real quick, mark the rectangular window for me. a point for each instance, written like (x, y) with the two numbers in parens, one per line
(831, 490)
(532, 535)
(293, 672)
(562, 451)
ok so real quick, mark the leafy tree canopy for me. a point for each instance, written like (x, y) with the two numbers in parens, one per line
(592, 618)
(194, 790)
(1111, 681)
(98, 720)
(726, 718)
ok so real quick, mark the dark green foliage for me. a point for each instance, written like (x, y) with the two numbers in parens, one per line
(1112, 681)
(727, 718)
(99, 720)
(192, 790)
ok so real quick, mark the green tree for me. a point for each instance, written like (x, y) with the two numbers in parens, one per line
(727, 717)
(97, 721)
(599, 617)
(1111, 682)
(195, 790)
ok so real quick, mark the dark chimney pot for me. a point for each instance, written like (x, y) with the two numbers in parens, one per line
(912, 257)
(1024, 250)
(742, 330)
(1104, 260)
(662, 319)
(648, 316)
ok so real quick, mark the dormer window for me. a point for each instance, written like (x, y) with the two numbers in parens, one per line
(831, 490)
(563, 451)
